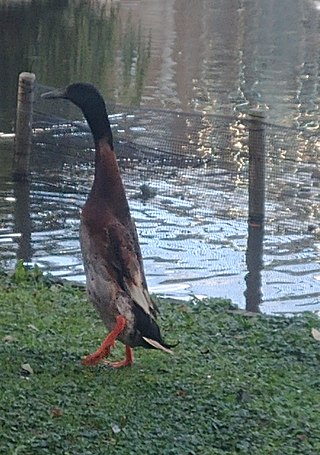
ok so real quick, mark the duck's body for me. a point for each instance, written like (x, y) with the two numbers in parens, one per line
(116, 283)
(111, 252)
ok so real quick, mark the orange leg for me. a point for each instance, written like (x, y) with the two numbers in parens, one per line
(104, 349)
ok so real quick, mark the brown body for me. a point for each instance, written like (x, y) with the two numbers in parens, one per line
(111, 252)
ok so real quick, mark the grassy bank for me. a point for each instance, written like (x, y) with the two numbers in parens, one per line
(236, 384)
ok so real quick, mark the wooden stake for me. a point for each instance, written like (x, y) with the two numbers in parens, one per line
(23, 138)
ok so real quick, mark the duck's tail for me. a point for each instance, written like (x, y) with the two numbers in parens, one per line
(155, 344)
(149, 331)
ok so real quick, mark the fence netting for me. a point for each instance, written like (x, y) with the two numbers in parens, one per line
(198, 163)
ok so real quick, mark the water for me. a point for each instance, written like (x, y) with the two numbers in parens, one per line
(218, 57)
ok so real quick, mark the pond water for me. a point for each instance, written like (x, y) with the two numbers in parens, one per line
(208, 56)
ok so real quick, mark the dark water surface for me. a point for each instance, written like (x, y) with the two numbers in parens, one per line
(210, 56)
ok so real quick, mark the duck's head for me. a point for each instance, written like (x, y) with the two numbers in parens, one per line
(90, 101)
(80, 93)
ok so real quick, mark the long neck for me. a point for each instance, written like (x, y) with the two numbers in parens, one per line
(97, 118)
(107, 185)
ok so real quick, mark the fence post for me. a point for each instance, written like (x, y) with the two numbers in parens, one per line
(23, 135)
(254, 253)
(256, 168)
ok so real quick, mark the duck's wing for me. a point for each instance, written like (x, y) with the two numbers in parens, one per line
(134, 234)
(129, 272)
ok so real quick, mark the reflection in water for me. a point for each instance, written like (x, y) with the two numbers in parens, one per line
(219, 57)
(205, 55)
(254, 261)
(65, 41)
(22, 220)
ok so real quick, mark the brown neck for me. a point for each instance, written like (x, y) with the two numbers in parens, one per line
(107, 185)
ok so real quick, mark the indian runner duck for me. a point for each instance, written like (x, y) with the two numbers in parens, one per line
(112, 259)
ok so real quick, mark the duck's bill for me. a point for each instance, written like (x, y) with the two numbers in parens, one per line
(57, 93)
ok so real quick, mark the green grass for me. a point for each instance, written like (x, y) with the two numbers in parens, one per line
(236, 384)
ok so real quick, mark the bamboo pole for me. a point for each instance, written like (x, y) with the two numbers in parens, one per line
(23, 138)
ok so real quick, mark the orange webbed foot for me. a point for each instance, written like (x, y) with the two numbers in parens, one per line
(127, 362)
(107, 344)
(95, 357)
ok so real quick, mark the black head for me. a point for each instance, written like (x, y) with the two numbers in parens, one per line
(90, 101)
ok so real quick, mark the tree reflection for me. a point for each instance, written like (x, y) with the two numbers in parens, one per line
(63, 41)
(22, 218)
(254, 262)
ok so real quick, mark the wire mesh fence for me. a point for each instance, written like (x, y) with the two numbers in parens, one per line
(188, 177)
(203, 161)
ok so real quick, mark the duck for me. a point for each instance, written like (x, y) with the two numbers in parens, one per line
(115, 278)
